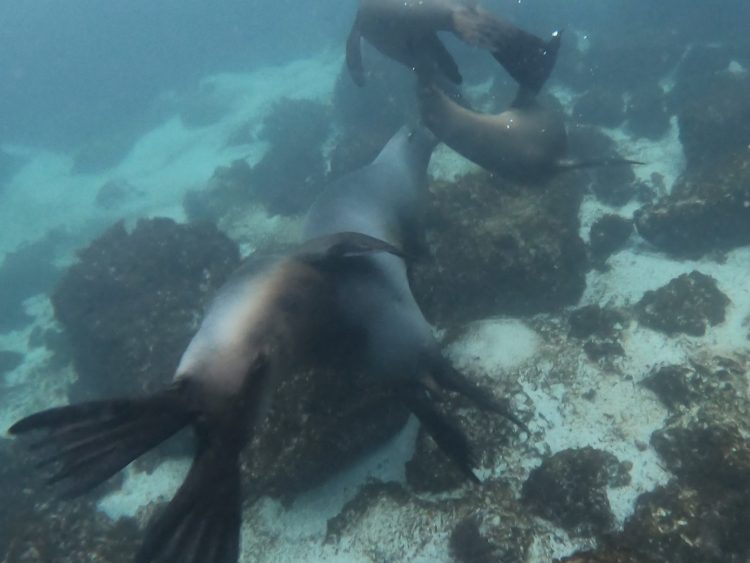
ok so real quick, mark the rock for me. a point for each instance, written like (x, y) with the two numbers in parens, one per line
(716, 122)
(481, 537)
(614, 185)
(9, 360)
(708, 210)
(600, 106)
(705, 453)
(569, 489)
(291, 174)
(646, 112)
(601, 328)
(36, 528)
(687, 304)
(229, 187)
(133, 301)
(680, 525)
(608, 234)
(718, 384)
(500, 249)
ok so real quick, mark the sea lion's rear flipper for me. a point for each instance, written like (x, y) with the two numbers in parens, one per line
(447, 434)
(330, 248)
(354, 54)
(442, 58)
(202, 522)
(603, 162)
(448, 377)
(87, 444)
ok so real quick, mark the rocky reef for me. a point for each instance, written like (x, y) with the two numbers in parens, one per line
(688, 304)
(131, 303)
(500, 249)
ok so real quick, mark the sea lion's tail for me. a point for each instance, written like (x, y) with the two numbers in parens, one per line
(527, 58)
(88, 443)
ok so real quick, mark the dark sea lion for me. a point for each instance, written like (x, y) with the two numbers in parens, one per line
(385, 200)
(526, 142)
(406, 31)
(275, 315)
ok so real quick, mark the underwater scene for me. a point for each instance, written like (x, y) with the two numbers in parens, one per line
(375, 281)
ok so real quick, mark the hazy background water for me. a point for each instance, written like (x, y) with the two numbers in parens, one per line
(69, 70)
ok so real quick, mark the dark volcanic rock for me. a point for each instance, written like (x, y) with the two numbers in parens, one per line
(686, 304)
(600, 106)
(133, 301)
(229, 187)
(646, 112)
(614, 185)
(608, 234)
(478, 538)
(569, 489)
(708, 210)
(291, 174)
(37, 529)
(717, 121)
(680, 525)
(601, 328)
(507, 249)
(705, 453)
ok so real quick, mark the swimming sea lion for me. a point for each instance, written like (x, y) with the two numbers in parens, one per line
(385, 200)
(275, 315)
(406, 31)
(526, 142)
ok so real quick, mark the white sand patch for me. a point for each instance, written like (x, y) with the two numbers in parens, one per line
(139, 489)
(493, 346)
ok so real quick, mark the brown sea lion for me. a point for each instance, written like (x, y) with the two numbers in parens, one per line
(526, 142)
(406, 31)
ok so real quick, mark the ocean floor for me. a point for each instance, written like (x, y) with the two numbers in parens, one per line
(555, 379)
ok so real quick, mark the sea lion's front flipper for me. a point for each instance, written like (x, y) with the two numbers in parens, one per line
(343, 245)
(447, 434)
(354, 54)
(448, 377)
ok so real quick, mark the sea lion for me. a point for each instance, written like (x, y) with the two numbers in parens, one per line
(275, 315)
(527, 142)
(385, 200)
(406, 31)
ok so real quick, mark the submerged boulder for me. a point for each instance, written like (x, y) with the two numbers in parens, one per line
(131, 303)
(500, 249)
(687, 304)
(707, 211)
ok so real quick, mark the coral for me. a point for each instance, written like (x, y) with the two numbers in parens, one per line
(291, 174)
(608, 234)
(500, 249)
(687, 304)
(569, 488)
(707, 211)
(132, 302)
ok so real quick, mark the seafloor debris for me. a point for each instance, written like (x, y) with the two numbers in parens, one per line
(687, 304)
(569, 489)
(600, 328)
(505, 249)
(608, 234)
(131, 303)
